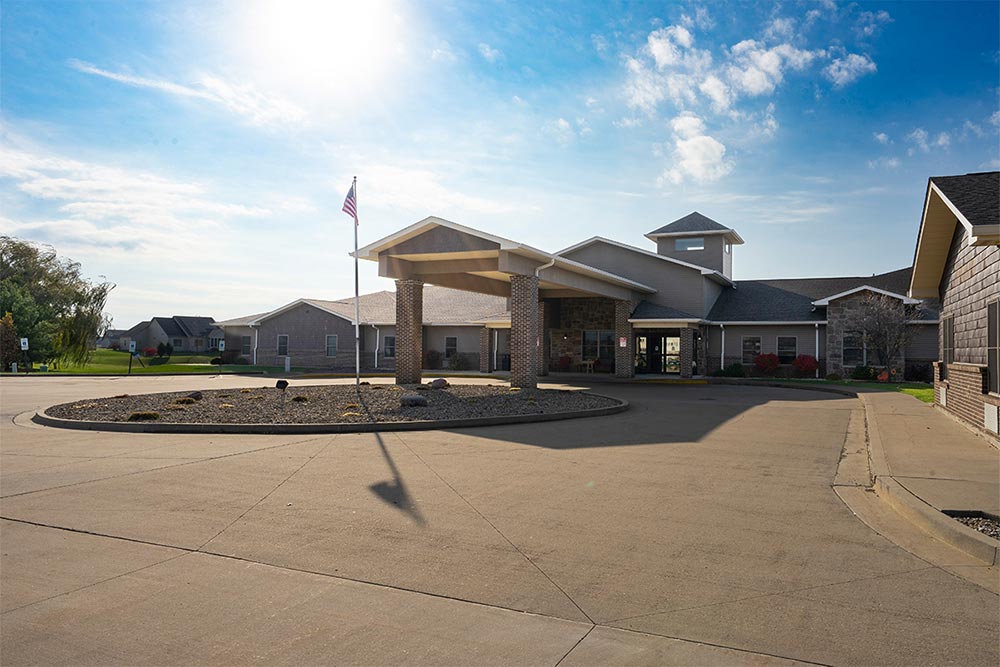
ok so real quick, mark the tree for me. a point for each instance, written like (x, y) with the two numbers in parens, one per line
(10, 342)
(58, 310)
(883, 322)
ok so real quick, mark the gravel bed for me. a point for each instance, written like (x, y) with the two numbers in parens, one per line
(330, 404)
(985, 525)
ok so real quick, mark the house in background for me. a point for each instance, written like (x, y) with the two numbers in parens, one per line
(186, 334)
(957, 264)
(316, 333)
(110, 339)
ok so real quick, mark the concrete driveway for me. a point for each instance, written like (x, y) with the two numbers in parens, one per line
(700, 527)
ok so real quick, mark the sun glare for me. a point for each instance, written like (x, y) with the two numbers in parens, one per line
(327, 50)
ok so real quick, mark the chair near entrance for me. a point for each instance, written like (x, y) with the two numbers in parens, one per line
(587, 366)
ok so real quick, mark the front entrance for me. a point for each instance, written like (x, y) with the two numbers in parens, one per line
(657, 353)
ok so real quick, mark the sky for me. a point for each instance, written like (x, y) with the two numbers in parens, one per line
(197, 154)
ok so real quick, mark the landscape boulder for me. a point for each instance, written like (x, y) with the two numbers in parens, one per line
(439, 383)
(413, 400)
(196, 395)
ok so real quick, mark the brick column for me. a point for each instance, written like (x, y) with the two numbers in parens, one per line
(687, 351)
(484, 350)
(543, 350)
(523, 331)
(409, 331)
(624, 356)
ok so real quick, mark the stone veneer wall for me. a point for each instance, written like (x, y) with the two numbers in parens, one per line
(575, 316)
(839, 315)
(971, 280)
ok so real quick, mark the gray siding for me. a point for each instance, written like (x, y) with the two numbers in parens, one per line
(468, 341)
(924, 346)
(971, 280)
(676, 286)
(805, 333)
(712, 257)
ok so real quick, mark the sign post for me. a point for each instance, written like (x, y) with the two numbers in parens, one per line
(131, 354)
(222, 348)
(24, 354)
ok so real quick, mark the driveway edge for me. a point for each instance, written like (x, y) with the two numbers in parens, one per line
(45, 419)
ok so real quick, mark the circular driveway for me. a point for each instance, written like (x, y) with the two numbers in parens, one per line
(699, 526)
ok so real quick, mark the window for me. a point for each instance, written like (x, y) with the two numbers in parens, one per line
(728, 247)
(178, 343)
(993, 347)
(283, 345)
(213, 343)
(788, 349)
(599, 346)
(450, 346)
(244, 344)
(331, 345)
(689, 244)
(751, 348)
(948, 340)
(389, 350)
(854, 350)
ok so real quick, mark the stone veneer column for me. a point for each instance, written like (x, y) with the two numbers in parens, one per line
(484, 350)
(543, 353)
(523, 331)
(409, 331)
(624, 356)
(687, 351)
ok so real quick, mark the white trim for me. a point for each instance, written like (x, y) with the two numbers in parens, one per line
(679, 239)
(277, 345)
(777, 346)
(714, 275)
(985, 235)
(665, 320)
(768, 323)
(370, 251)
(652, 236)
(295, 304)
(326, 345)
(385, 354)
(902, 297)
(954, 209)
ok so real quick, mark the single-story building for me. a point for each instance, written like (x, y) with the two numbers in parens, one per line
(603, 305)
(957, 264)
(317, 333)
(184, 333)
(110, 339)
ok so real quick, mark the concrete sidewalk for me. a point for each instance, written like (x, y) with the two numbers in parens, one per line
(925, 463)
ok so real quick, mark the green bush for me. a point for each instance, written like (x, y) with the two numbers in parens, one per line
(460, 362)
(432, 360)
(835, 377)
(863, 373)
(731, 371)
(143, 416)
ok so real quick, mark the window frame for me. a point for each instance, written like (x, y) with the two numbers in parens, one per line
(178, 343)
(386, 347)
(694, 239)
(862, 348)
(454, 350)
(993, 348)
(287, 341)
(246, 344)
(777, 348)
(743, 348)
(605, 340)
(326, 345)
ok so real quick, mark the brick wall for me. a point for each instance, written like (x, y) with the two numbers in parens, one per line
(409, 331)
(964, 391)
(523, 331)
(687, 352)
(624, 356)
(484, 350)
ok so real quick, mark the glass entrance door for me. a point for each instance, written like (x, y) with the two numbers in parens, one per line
(657, 353)
(671, 354)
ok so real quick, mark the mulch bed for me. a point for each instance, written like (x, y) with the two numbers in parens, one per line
(984, 525)
(328, 404)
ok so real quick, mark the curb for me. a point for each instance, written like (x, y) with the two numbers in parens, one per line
(843, 391)
(289, 429)
(937, 523)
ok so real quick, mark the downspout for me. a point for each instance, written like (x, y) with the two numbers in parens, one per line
(722, 357)
(256, 335)
(817, 350)
(376, 345)
(496, 347)
(540, 339)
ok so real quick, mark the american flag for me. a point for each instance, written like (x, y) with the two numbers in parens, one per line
(351, 205)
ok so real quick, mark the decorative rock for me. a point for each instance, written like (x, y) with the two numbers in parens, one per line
(439, 383)
(196, 395)
(413, 400)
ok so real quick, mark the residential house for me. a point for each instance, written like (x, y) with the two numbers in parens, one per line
(184, 333)
(110, 339)
(957, 264)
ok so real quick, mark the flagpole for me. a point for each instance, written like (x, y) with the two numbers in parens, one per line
(357, 298)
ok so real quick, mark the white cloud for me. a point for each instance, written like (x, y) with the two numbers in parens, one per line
(696, 156)
(780, 29)
(489, 53)
(995, 118)
(884, 162)
(565, 132)
(756, 70)
(881, 137)
(420, 190)
(870, 24)
(701, 19)
(600, 43)
(443, 52)
(717, 91)
(244, 100)
(851, 67)
(943, 140)
(923, 142)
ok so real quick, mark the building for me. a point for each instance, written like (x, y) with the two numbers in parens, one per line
(316, 333)
(957, 264)
(184, 333)
(603, 305)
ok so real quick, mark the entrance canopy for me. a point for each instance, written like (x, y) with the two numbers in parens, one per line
(441, 252)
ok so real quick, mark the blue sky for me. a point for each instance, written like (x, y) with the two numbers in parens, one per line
(197, 154)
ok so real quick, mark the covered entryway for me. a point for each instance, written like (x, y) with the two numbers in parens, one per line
(440, 252)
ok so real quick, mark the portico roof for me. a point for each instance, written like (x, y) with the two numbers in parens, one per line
(446, 253)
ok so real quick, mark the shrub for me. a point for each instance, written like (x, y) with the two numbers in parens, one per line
(184, 400)
(169, 349)
(241, 361)
(143, 416)
(432, 360)
(805, 365)
(835, 377)
(766, 364)
(161, 350)
(731, 371)
(919, 372)
(460, 362)
(216, 361)
(300, 398)
(149, 352)
(863, 373)
(230, 356)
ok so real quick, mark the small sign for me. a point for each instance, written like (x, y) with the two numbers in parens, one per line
(24, 344)
(222, 346)
(622, 342)
(131, 346)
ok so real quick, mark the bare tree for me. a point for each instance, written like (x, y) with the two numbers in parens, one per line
(883, 321)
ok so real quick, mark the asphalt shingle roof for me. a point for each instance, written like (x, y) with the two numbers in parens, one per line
(977, 196)
(790, 300)
(195, 326)
(692, 222)
(170, 326)
(652, 311)
(441, 306)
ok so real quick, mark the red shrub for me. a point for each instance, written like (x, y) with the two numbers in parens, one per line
(766, 364)
(805, 365)
(149, 351)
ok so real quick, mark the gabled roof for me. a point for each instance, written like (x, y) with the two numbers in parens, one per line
(902, 297)
(134, 331)
(976, 196)
(695, 223)
(244, 321)
(170, 326)
(653, 311)
(195, 327)
(709, 273)
(791, 300)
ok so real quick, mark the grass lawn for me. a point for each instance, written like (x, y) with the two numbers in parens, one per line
(115, 362)
(919, 390)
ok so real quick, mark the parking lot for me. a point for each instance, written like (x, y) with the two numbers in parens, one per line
(699, 527)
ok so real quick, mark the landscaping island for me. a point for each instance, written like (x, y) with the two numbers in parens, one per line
(342, 408)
